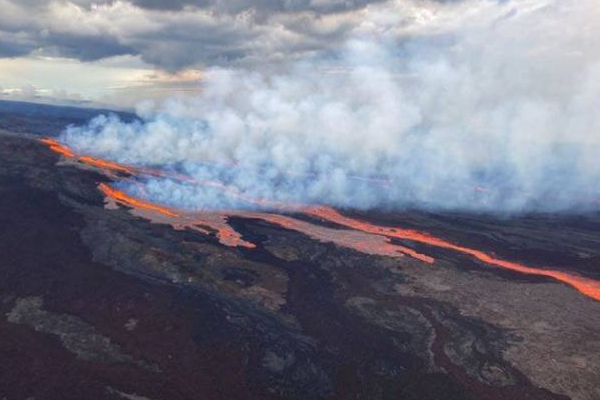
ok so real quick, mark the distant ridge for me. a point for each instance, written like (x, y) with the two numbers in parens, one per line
(48, 120)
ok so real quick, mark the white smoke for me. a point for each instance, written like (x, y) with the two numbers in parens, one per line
(499, 114)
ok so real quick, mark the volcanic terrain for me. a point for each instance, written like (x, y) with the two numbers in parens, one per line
(109, 296)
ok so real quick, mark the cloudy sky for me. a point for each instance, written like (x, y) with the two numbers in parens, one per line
(117, 52)
(436, 95)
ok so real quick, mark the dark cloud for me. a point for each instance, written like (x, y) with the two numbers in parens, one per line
(175, 55)
(10, 49)
(171, 5)
(181, 33)
(85, 47)
(261, 6)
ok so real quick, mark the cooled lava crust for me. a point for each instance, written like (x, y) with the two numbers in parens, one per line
(100, 303)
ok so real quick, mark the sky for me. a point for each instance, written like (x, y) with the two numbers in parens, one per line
(121, 52)
(320, 101)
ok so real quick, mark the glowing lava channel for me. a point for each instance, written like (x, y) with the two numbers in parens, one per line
(361, 236)
(64, 151)
(125, 199)
(587, 286)
(213, 221)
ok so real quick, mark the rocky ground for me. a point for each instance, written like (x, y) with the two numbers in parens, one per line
(101, 304)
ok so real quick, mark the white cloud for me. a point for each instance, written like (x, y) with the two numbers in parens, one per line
(213, 32)
(507, 99)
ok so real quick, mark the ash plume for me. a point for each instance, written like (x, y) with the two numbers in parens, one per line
(501, 114)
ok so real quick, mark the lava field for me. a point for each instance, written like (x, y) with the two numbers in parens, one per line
(108, 296)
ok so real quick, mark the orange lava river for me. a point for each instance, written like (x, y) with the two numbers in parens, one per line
(94, 162)
(355, 234)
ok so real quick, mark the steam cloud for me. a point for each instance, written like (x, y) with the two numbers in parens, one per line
(501, 114)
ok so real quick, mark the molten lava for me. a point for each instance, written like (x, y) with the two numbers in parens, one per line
(205, 222)
(361, 236)
(213, 221)
(587, 286)
(127, 200)
(360, 241)
(108, 165)
(58, 148)
(95, 162)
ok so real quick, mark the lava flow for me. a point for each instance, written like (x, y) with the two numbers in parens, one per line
(374, 239)
(360, 241)
(109, 165)
(59, 148)
(63, 150)
(212, 221)
(123, 198)
(217, 221)
(587, 286)
(361, 236)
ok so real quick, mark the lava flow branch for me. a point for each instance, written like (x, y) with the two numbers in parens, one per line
(356, 234)
(105, 165)
(206, 223)
(121, 197)
(587, 286)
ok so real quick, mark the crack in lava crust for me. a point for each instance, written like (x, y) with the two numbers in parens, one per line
(360, 235)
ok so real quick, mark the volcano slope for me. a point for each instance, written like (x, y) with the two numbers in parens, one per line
(99, 300)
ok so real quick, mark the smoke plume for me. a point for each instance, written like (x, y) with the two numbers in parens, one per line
(501, 113)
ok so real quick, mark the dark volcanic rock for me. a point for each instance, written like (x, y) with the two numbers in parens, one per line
(137, 310)
(76, 335)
